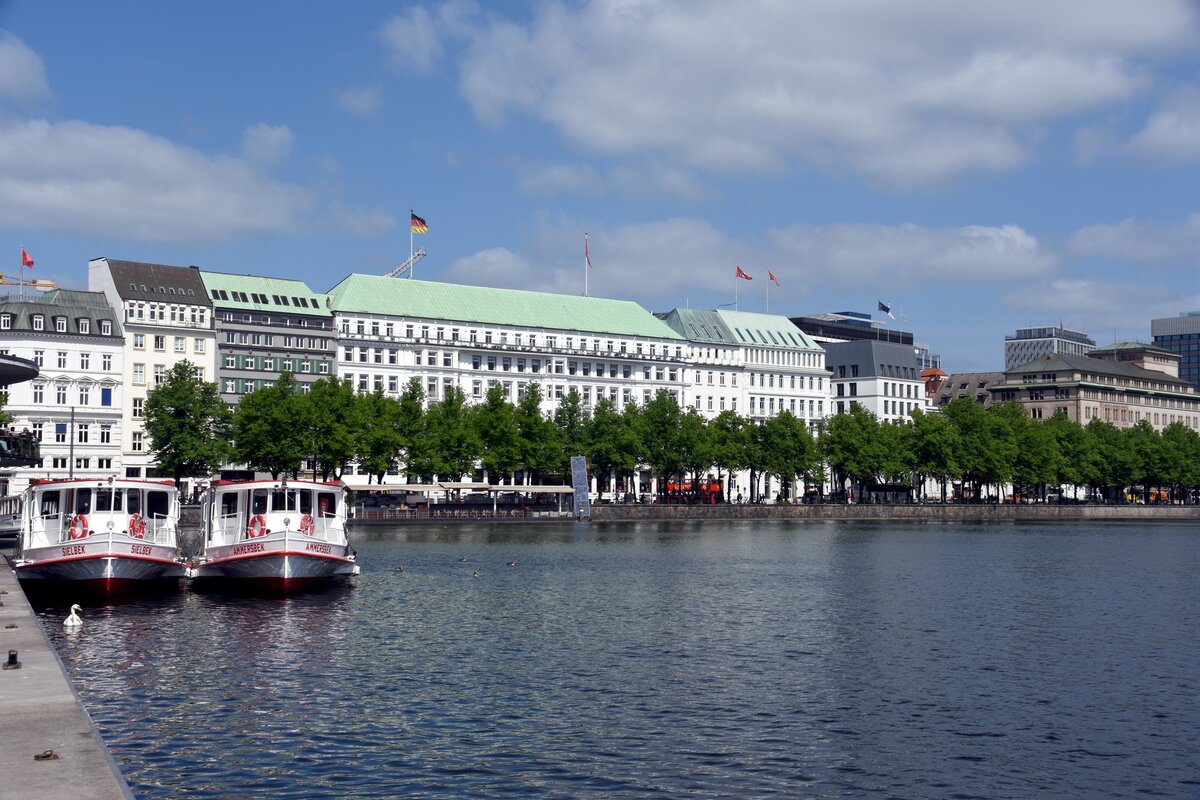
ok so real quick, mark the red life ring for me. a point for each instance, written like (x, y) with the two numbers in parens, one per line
(257, 527)
(79, 526)
(137, 526)
(307, 526)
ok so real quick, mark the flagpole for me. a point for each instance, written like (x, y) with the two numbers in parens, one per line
(411, 265)
(735, 280)
(767, 289)
(585, 264)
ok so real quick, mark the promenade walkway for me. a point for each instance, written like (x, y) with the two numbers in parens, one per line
(39, 712)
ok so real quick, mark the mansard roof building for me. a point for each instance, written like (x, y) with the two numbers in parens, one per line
(73, 406)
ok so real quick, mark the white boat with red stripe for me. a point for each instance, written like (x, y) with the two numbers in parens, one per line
(103, 536)
(279, 535)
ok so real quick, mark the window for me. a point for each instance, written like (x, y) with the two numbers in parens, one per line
(139, 405)
(39, 322)
(81, 433)
(137, 442)
(60, 432)
(106, 327)
(106, 434)
(160, 343)
(180, 344)
(139, 341)
(85, 361)
(62, 359)
(60, 394)
(84, 395)
(39, 356)
(85, 326)
(39, 393)
(5, 322)
(139, 374)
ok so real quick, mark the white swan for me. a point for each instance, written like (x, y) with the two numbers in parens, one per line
(74, 621)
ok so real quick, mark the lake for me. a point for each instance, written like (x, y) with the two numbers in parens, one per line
(829, 660)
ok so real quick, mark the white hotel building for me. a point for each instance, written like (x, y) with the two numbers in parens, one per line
(390, 331)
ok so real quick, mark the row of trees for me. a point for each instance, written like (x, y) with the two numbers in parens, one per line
(276, 429)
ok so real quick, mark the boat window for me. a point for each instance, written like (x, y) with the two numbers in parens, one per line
(134, 501)
(158, 504)
(229, 504)
(283, 500)
(305, 501)
(108, 500)
(327, 504)
(258, 502)
(83, 501)
(50, 504)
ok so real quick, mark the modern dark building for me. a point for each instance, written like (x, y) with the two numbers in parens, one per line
(849, 326)
(1181, 336)
(1028, 344)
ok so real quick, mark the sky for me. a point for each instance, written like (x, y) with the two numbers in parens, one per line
(978, 167)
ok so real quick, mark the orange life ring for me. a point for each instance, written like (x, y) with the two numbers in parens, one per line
(307, 526)
(137, 526)
(79, 526)
(257, 527)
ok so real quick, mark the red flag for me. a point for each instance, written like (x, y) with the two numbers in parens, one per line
(741, 273)
(771, 275)
(26, 259)
(586, 258)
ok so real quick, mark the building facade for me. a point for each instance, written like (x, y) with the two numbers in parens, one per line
(74, 406)
(167, 318)
(1127, 384)
(1028, 344)
(882, 377)
(265, 327)
(1181, 336)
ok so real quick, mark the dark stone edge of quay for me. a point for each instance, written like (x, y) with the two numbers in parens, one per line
(80, 778)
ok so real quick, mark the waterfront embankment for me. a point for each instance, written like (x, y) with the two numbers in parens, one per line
(43, 715)
(994, 512)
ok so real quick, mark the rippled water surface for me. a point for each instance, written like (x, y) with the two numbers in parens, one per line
(751, 660)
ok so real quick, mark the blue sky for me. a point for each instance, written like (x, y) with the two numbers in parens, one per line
(980, 166)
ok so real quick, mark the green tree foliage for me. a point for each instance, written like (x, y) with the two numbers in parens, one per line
(730, 443)
(498, 433)
(541, 444)
(571, 420)
(265, 435)
(695, 443)
(611, 443)
(453, 441)
(658, 424)
(329, 421)
(188, 424)
(934, 443)
(790, 451)
(380, 440)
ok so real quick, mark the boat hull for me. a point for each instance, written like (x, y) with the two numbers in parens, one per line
(100, 574)
(279, 571)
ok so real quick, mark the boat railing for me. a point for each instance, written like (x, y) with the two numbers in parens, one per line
(229, 527)
(161, 530)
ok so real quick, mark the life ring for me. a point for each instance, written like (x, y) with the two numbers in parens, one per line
(79, 526)
(257, 527)
(137, 526)
(307, 526)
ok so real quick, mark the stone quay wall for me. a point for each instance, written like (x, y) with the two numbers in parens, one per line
(894, 513)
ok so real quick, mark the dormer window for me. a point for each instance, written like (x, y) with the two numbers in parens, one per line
(39, 322)
(5, 322)
(106, 327)
(85, 325)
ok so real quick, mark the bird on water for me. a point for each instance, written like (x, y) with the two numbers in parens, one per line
(74, 621)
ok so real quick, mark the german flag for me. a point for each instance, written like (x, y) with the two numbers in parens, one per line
(418, 225)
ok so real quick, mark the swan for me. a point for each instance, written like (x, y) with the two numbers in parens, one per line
(511, 564)
(74, 621)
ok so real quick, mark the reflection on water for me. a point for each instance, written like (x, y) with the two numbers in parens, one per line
(795, 660)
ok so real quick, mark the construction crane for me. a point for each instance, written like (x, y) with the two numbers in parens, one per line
(407, 266)
(41, 284)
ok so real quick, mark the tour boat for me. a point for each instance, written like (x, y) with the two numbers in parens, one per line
(106, 536)
(279, 535)
(10, 517)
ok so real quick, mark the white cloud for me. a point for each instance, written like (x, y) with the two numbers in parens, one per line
(1132, 240)
(644, 181)
(1100, 306)
(22, 74)
(1172, 134)
(121, 182)
(359, 222)
(362, 100)
(266, 146)
(907, 94)
(668, 262)
(413, 39)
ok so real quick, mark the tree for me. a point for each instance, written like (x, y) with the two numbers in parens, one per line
(189, 425)
(327, 419)
(379, 439)
(695, 448)
(499, 435)
(847, 442)
(541, 446)
(1117, 461)
(410, 425)
(1146, 447)
(454, 444)
(730, 441)
(265, 435)
(933, 440)
(789, 449)
(571, 420)
(658, 427)
(612, 445)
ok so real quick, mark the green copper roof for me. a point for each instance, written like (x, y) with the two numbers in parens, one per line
(700, 326)
(254, 293)
(374, 294)
(767, 330)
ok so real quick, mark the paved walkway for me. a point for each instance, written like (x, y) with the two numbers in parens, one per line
(39, 712)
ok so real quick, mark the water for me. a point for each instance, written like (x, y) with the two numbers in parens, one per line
(669, 660)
